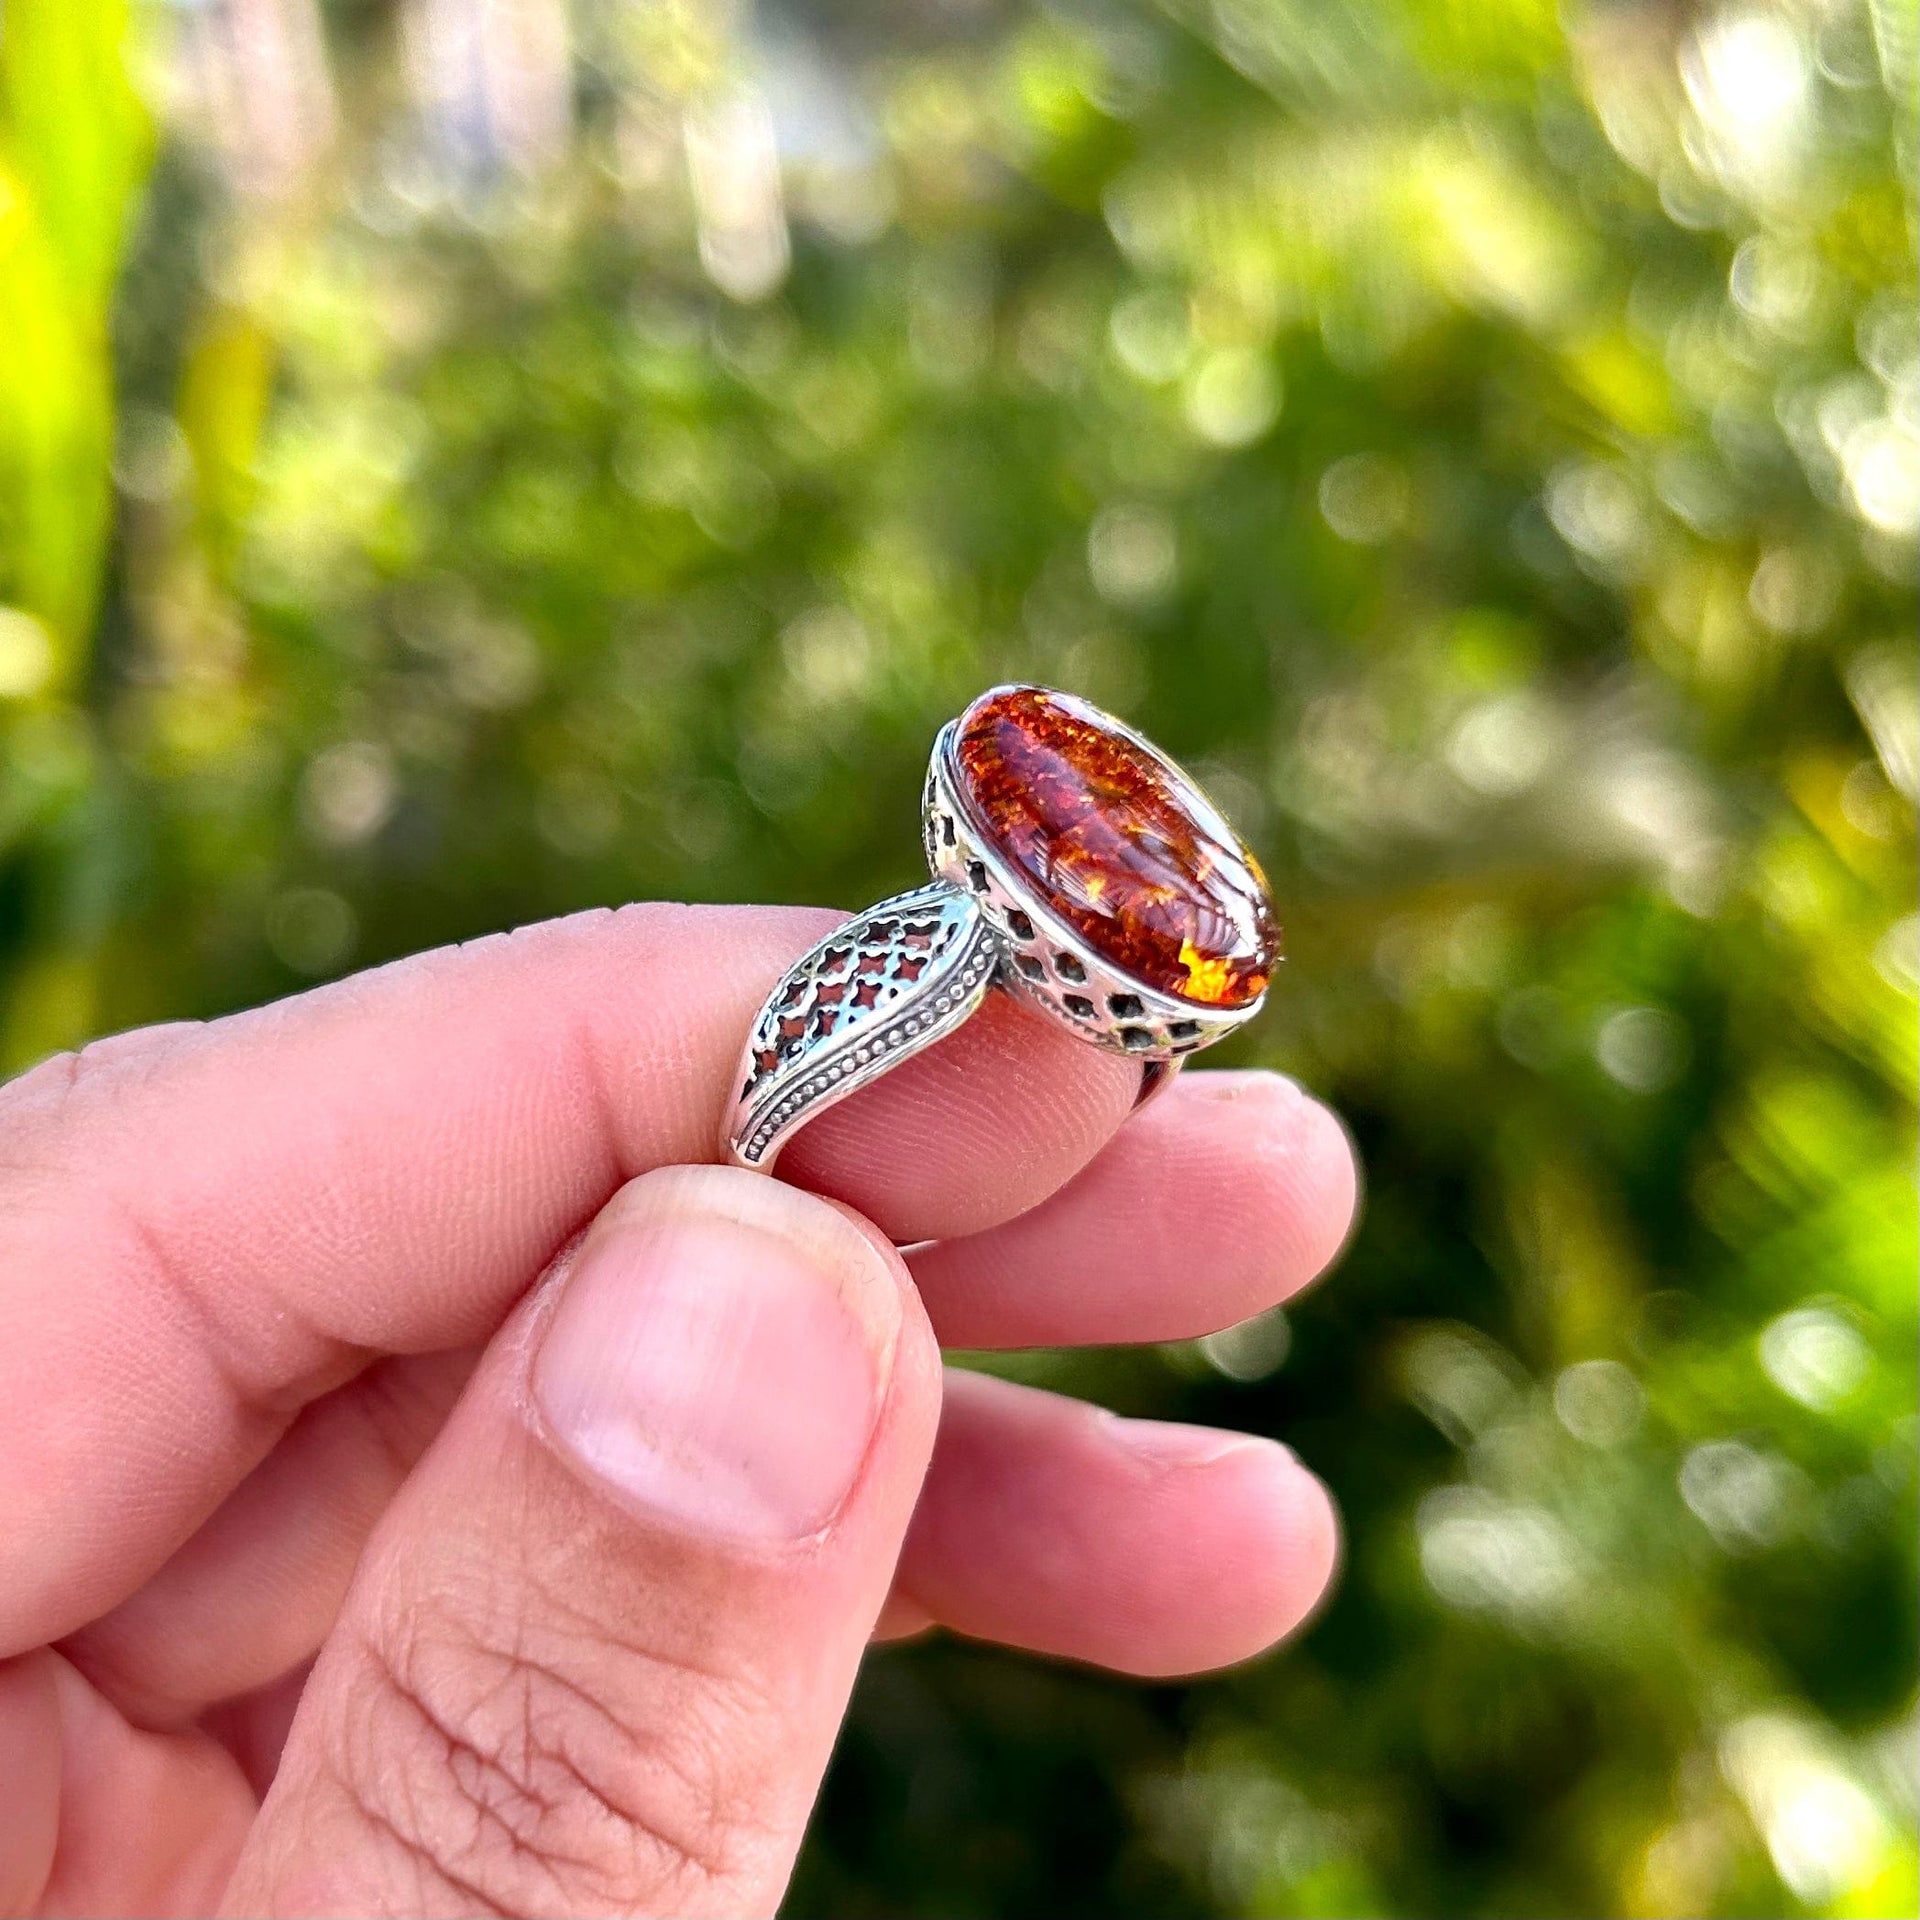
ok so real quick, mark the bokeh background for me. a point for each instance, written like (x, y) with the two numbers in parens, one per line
(462, 460)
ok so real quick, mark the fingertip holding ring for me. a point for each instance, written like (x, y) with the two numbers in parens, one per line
(1075, 866)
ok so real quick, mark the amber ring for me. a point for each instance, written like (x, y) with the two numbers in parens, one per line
(1074, 865)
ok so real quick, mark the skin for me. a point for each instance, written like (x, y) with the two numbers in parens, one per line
(311, 1600)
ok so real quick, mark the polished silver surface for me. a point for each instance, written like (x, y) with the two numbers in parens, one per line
(907, 972)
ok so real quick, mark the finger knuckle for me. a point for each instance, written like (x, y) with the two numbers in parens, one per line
(36, 1112)
(64, 1083)
(487, 1751)
(52, 1122)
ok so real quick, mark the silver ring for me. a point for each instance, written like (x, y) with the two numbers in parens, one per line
(1074, 865)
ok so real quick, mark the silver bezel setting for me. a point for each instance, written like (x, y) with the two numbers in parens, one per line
(931, 954)
(1048, 962)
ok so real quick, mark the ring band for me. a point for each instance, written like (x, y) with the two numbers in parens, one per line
(1075, 866)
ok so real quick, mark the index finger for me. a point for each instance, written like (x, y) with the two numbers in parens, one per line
(203, 1228)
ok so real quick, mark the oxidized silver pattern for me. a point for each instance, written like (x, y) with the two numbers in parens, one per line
(910, 970)
(874, 992)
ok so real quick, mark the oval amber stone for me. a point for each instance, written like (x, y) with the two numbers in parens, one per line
(1119, 843)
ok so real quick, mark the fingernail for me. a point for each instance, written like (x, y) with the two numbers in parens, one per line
(719, 1353)
(1161, 1443)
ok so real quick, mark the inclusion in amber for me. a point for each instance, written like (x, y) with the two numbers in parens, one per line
(1119, 843)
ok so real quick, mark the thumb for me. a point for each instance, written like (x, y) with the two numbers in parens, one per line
(595, 1657)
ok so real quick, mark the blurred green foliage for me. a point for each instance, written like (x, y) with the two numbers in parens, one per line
(446, 481)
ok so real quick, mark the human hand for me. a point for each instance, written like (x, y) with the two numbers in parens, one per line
(547, 1598)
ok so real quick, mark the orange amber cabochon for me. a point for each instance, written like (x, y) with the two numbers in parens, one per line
(1117, 842)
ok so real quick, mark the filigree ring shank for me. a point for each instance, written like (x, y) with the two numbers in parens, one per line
(909, 971)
